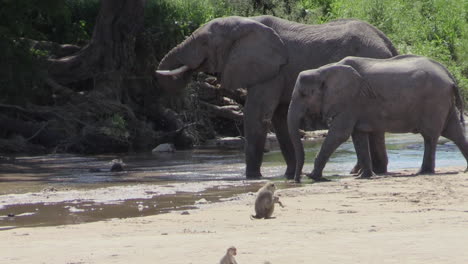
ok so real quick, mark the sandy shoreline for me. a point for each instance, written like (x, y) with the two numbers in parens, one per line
(392, 219)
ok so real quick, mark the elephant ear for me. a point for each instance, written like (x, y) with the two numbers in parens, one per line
(256, 55)
(342, 85)
(345, 79)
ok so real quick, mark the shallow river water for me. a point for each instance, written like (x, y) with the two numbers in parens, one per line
(71, 189)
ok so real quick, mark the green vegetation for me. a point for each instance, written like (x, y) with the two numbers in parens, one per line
(58, 21)
(116, 127)
(72, 116)
(434, 28)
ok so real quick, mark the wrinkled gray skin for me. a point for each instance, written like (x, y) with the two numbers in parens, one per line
(265, 54)
(360, 96)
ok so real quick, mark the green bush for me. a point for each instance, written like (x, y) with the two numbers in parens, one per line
(59, 21)
(170, 21)
(19, 69)
(434, 28)
(19, 77)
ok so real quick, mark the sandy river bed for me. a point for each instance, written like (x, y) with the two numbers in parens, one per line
(188, 207)
(399, 218)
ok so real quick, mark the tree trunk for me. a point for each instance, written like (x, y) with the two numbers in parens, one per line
(109, 54)
(109, 60)
(103, 97)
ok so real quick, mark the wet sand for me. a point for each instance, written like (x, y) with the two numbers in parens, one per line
(399, 218)
(62, 207)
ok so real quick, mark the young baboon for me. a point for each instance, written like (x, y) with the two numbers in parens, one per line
(229, 257)
(265, 202)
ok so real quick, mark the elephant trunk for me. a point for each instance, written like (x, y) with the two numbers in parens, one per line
(176, 68)
(172, 83)
(294, 120)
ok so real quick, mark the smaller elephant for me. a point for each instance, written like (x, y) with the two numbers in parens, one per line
(359, 96)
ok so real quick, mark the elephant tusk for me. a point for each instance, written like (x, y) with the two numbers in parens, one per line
(174, 73)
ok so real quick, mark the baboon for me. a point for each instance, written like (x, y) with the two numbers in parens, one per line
(265, 202)
(229, 257)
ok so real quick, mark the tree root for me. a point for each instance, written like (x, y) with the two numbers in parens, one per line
(231, 112)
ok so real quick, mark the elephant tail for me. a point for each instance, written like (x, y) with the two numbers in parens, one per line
(459, 103)
(388, 43)
(391, 47)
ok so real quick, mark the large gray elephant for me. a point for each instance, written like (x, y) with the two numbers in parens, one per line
(265, 54)
(362, 95)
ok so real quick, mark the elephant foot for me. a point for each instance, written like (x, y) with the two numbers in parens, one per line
(253, 175)
(317, 178)
(426, 171)
(380, 169)
(356, 169)
(321, 179)
(297, 179)
(289, 176)
(365, 175)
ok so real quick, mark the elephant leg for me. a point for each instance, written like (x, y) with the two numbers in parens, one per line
(255, 131)
(378, 152)
(356, 169)
(454, 131)
(430, 144)
(260, 105)
(282, 134)
(336, 136)
(361, 145)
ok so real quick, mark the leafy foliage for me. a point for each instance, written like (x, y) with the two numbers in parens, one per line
(434, 28)
(18, 71)
(21, 70)
(169, 22)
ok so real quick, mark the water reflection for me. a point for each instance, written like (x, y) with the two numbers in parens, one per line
(62, 189)
(405, 151)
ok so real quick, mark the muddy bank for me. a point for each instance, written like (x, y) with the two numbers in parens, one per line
(55, 207)
(70, 189)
